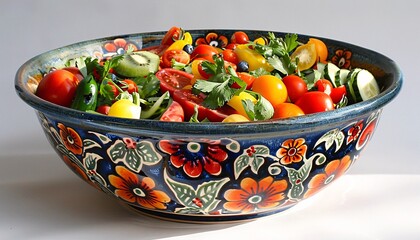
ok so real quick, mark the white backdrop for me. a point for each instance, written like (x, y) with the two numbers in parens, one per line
(28, 28)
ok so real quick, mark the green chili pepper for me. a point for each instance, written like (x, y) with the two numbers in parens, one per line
(86, 94)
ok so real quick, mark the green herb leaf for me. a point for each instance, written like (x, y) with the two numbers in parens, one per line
(261, 110)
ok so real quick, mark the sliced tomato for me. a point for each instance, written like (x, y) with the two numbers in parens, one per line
(174, 113)
(178, 55)
(338, 93)
(158, 50)
(173, 79)
(173, 34)
(190, 101)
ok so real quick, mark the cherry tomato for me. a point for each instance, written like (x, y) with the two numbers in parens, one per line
(230, 56)
(174, 33)
(58, 87)
(172, 79)
(178, 55)
(174, 113)
(124, 108)
(321, 49)
(204, 51)
(113, 89)
(158, 50)
(286, 110)
(104, 109)
(270, 87)
(239, 37)
(128, 85)
(247, 78)
(189, 101)
(195, 65)
(296, 87)
(323, 85)
(338, 93)
(75, 71)
(315, 101)
(231, 46)
(235, 118)
(306, 54)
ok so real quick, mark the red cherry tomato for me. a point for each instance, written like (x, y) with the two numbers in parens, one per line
(178, 55)
(129, 86)
(158, 50)
(104, 109)
(338, 93)
(296, 87)
(247, 78)
(174, 113)
(239, 38)
(315, 101)
(204, 51)
(172, 79)
(75, 71)
(323, 85)
(58, 87)
(230, 56)
(174, 33)
(189, 101)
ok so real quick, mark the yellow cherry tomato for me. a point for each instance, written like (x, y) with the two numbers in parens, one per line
(270, 87)
(321, 49)
(286, 110)
(235, 118)
(253, 58)
(236, 102)
(306, 54)
(125, 108)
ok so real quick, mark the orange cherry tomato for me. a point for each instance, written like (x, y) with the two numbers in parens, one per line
(321, 49)
(286, 110)
(306, 54)
(270, 87)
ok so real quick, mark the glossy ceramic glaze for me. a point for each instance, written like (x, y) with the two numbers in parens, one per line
(209, 172)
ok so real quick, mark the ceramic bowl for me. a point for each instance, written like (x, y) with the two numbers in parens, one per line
(209, 172)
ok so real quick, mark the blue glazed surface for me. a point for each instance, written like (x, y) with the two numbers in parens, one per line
(198, 172)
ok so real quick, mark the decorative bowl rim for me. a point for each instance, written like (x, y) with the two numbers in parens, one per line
(210, 128)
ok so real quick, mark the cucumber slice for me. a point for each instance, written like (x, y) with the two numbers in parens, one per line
(341, 77)
(366, 85)
(321, 67)
(329, 72)
(351, 78)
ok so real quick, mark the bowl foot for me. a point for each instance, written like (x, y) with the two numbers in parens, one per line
(202, 219)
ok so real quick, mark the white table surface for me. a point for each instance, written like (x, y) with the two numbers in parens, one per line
(379, 198)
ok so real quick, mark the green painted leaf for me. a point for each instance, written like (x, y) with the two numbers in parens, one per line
(335, 136)
(208, 191)
(117, 151)
(256, 163)
(297, 177)
(147, 153)
(104, 139)
(90, 161)
(132, 160)
(89, 143)
(184, 193)
(240, 164)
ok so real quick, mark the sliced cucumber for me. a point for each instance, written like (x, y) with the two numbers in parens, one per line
(341, 77)
(329, 72)
(366, 85)
(320, 67)
(351, 78)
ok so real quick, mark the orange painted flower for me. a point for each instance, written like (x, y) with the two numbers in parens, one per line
(342, 58)
(71, 139)
(332, 171)
(254, 195)
(213, 39)
(134, 189)
(292, 151)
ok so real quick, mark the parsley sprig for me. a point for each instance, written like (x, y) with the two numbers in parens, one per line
(277, 52)
(218, 87)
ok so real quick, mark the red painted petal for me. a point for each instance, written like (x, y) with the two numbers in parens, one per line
(193, 168)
